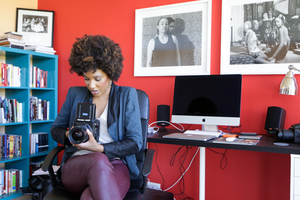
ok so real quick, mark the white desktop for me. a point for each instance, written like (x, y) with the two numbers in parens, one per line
(209, 100)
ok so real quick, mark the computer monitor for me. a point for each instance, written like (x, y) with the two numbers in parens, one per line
(210, 100)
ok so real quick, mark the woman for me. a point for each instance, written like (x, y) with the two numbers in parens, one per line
(282, 43)
(97, 169)
(251, 42)
(163, 49)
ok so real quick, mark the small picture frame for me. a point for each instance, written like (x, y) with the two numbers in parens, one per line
(191, 29)
(36, 26)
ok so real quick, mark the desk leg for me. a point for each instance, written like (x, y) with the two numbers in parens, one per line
(202, 174)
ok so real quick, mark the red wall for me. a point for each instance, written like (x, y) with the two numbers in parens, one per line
(248, 175)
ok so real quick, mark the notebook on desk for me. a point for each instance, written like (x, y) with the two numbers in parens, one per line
(189, 136)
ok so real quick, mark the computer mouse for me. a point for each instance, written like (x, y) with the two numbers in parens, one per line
(230, 139)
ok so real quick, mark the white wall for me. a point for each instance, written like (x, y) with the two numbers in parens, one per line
(8, 13)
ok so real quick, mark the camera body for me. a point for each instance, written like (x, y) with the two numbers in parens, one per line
(85, 120)
(290, 135)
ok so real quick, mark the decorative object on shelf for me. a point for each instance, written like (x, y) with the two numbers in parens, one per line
(250, 37)
(183, 36)
(289, 85)
(36, 26)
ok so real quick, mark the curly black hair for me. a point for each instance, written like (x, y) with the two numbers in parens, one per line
(92, 52)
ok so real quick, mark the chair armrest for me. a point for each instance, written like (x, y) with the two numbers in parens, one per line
(48, 162)
(148, 162)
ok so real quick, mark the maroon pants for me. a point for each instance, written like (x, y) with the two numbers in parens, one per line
(95, 177)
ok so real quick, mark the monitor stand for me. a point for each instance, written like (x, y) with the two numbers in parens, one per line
(213, 128)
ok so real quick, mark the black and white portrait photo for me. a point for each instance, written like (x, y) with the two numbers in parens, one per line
(264, 35)
(172, 40)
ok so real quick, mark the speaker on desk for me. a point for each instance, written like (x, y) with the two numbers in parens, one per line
(163, 115)
(275, 119)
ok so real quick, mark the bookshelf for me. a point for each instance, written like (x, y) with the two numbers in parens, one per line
(25, 59)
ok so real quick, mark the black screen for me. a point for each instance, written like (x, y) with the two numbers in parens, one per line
(210, 95)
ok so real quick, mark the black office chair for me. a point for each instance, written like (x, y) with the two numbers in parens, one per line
(144, 162)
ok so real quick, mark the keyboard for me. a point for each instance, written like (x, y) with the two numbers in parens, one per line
(199, 132)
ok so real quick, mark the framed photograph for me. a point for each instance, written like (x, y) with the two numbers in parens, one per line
(260, 37)
(173, 40)
(36, 26)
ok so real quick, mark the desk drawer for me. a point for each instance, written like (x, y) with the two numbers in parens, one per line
(297, 186)
(296, 197)
(297, 166)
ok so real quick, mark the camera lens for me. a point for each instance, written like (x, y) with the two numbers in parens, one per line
(286, 135)
(78, 134)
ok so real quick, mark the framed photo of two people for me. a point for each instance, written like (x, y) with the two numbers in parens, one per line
(173, 40)
(259, 36)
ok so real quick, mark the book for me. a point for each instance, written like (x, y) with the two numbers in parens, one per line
(17, 46)
(237, 141)
(253, 137)
(41, 49)
(11, 40)
(12, 35)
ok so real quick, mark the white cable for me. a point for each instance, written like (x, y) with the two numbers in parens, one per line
(184, 171)
(172, 124)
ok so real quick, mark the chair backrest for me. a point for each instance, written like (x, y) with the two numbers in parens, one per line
(144, 112)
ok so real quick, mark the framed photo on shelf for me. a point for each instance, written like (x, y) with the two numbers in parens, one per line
(252, 42)
(173, 40)
(36, 26)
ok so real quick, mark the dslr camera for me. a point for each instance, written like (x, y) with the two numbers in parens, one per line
(290, 135)
(85, 121)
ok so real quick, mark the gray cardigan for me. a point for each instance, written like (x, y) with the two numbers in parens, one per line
(123, 122)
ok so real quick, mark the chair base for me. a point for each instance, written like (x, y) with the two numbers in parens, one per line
(151, 194)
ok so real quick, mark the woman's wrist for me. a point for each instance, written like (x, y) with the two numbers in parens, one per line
(100, 148)
(67, 134)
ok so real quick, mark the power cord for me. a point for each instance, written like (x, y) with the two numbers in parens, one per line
(224, 158)
(185, 170)
(152, 130)
(163, 184)
(182, 170)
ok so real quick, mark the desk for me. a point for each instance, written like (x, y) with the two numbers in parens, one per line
(265, 145)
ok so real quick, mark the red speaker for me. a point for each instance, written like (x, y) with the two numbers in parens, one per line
(275, 119)
(163, 115)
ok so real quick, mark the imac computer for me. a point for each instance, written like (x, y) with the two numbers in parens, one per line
(210, 100)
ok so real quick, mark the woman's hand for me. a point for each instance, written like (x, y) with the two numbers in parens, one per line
(271, 58)
(91, 144)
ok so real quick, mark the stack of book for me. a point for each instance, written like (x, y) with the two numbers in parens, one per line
(42, 49)
(10, 180)
(39, 109)
(38, 78)
(38, 142)
(11, 145)
(12, 39)
(10, 75)
(10, 110)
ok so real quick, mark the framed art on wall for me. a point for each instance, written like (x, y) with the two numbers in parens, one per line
(36, 26)
(260, 37)
(173, 40)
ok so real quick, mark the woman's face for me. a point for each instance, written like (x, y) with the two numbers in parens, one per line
(278, 22)
(163, 25)
(171, 27)
(98, 82)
